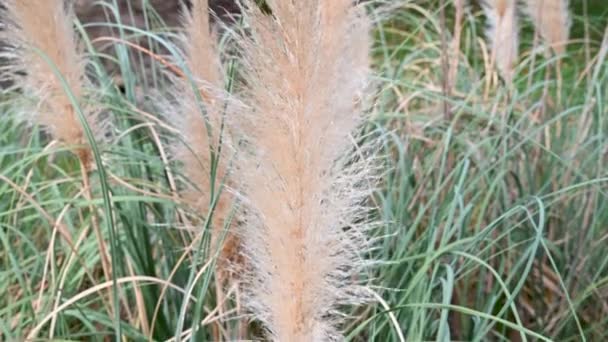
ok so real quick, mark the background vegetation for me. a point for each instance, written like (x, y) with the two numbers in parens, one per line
(495, 196)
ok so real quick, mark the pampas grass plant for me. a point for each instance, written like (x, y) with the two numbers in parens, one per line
(491, 199)
(46, 63)
(198, 111)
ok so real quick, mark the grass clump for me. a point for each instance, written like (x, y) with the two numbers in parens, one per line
(492, 200)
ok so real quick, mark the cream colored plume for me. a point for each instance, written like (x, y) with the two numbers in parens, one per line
(307, 69)
(198, 113)
(502, 34)
(43, 44)
(552, 21)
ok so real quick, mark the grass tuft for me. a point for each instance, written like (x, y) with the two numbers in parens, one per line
(493, 194)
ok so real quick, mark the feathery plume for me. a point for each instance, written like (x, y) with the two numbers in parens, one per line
(307, 68)
(502, 34)
(36, 27)
(198, 115)
(552, 21)
(202, 55)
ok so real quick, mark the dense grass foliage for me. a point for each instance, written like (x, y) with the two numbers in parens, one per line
(494, 198)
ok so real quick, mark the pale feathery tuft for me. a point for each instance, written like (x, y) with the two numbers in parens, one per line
(552, 21)
(502, 33)
(304, 189)
(43, 43)
(198, 114)
(202, 53)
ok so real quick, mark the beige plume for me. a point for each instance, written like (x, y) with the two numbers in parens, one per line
(307, 69)
(198, 113)
(44, 43)
(502, 34)
(552, 21)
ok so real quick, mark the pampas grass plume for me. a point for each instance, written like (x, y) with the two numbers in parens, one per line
(552, 21)
(304, 231)
(502, 34)
(198, 115)
(36, 27)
